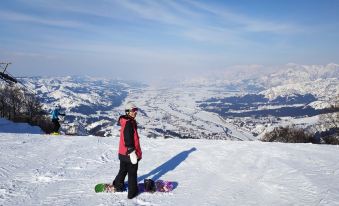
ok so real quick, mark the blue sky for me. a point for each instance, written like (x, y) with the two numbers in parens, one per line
(150, 40)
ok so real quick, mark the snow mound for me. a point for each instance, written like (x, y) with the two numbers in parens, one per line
(63, 170)
(7, 126)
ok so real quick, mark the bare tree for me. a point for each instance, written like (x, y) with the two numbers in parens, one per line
(33, 106)
(16, 100)
(18, 105)
(4, 102)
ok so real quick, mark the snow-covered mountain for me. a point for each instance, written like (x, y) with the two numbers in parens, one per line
(63, 170)
(87, 101)
(294, 73)
(95, 105)
(327, 90)
(295, 94)
(243, 109)
(321, 81)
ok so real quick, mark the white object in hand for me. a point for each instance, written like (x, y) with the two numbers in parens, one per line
(133, 157)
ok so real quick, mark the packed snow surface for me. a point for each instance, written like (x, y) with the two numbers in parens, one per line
(63, 170)
(11, 127)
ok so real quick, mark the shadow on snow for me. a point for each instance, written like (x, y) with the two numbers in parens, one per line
(168, 166)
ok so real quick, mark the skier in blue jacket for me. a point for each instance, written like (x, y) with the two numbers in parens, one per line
(55, 119)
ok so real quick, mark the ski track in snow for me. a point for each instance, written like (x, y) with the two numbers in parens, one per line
(63, 170)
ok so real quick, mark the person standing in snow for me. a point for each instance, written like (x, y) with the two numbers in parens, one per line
(55, 119)
(129, 151)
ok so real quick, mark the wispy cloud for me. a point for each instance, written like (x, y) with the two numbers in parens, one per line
(245, 22)
(154, 35)
(213, 25)
(192, 20)
(29, 18)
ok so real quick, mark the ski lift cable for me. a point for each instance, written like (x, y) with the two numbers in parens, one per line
(10, 79)
(5, 76)
(6, 65)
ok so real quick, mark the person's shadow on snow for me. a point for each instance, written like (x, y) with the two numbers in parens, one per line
(168, 166)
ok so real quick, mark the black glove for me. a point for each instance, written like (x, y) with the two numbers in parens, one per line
(130, 150)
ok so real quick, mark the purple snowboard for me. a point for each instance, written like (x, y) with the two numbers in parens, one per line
(161, 186)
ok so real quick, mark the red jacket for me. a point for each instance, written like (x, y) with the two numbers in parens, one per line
(129, 138)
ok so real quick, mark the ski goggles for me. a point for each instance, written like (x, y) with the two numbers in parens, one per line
(134, 110)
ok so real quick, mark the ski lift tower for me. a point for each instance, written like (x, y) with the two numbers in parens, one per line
(4, 75)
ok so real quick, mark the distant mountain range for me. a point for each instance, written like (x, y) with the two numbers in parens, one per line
(294, 73)
(85, 100)
(94, 104)
(320, 81)
(296, 94)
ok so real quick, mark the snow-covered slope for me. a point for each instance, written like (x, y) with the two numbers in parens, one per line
(63, 170)
(86, 100)
(11, 127)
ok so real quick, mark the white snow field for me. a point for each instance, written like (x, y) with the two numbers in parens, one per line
(11, 127)
(63, 170)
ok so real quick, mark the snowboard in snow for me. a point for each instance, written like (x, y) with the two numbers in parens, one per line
(103, 187)
(160, 186)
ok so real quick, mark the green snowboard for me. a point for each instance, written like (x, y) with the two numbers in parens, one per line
(104, 187)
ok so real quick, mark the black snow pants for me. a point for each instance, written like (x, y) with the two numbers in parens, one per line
(131, 170)
(56, 125)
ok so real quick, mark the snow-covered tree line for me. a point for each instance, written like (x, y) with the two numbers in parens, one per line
(20, 106)
(331, 120)
(325, 131)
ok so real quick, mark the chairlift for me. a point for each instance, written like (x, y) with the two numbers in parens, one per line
(5, 76)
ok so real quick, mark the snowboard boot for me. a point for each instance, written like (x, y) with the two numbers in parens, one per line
(149, 185)
(132, 195)
(118, 187)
